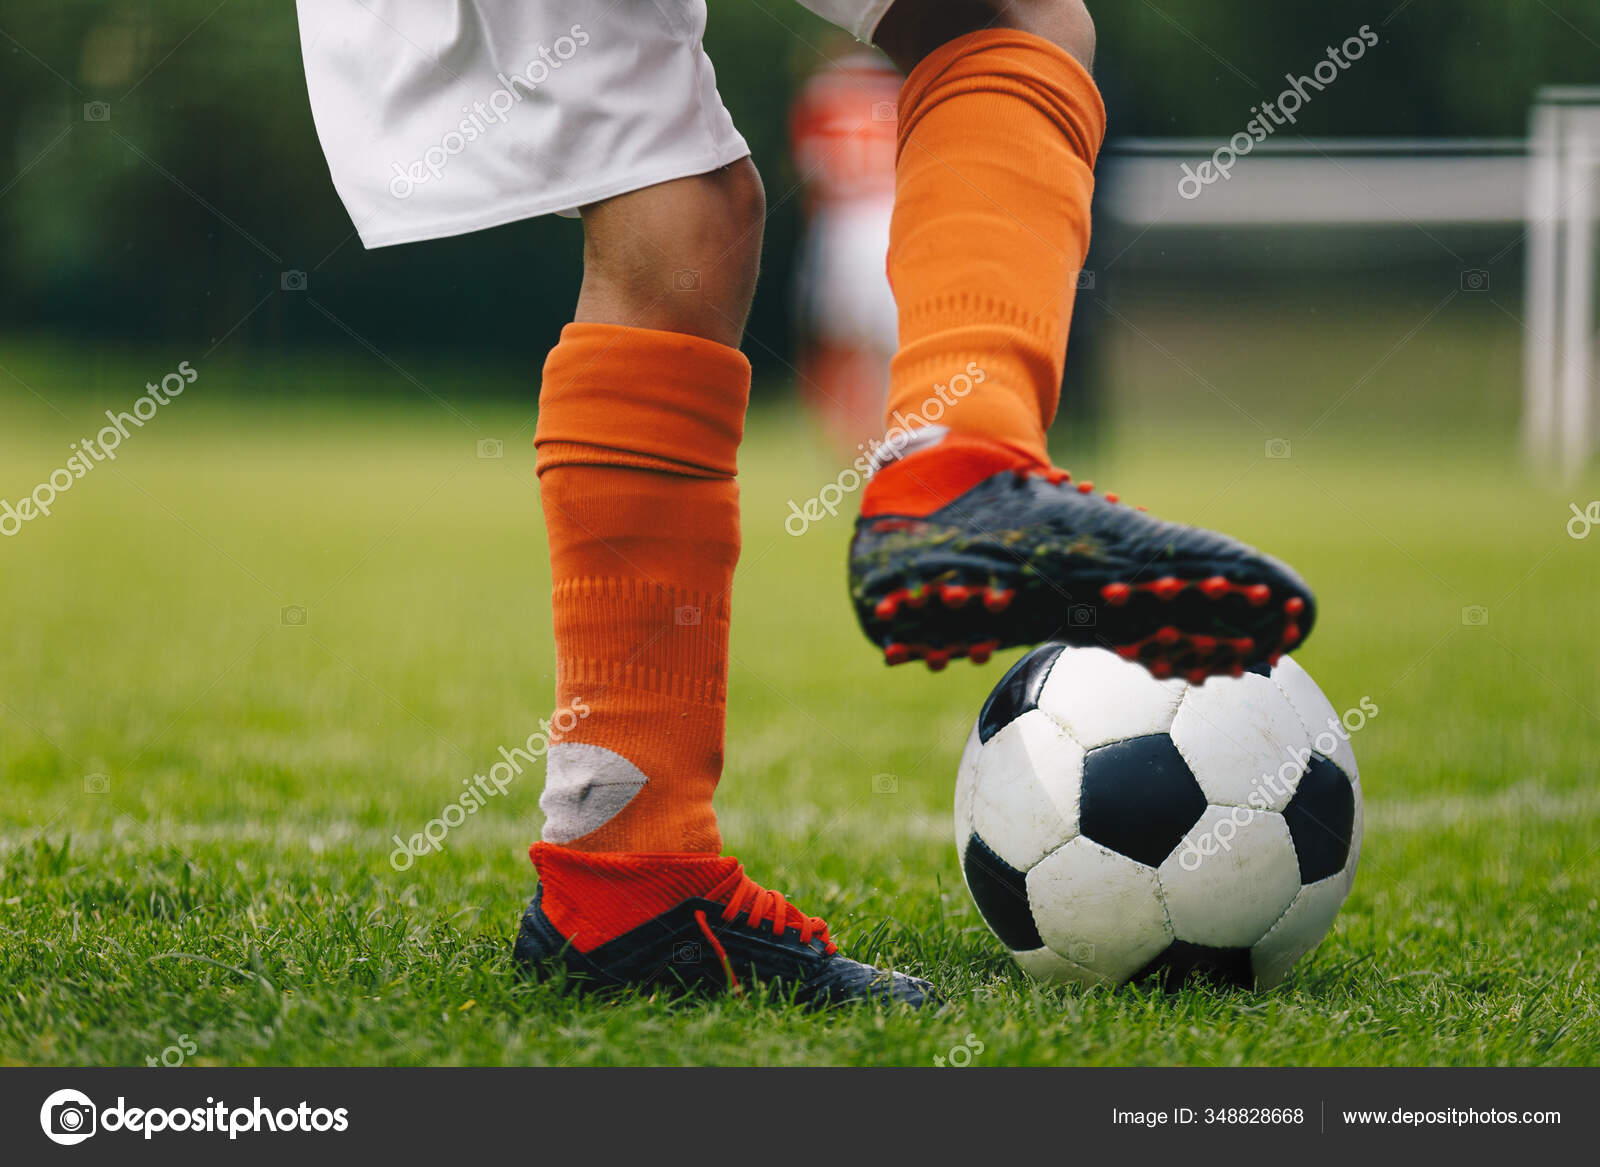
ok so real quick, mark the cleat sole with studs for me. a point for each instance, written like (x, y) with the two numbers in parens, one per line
(1180, 601)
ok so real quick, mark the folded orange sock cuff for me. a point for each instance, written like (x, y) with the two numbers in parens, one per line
(1015, 63)
(654, 400)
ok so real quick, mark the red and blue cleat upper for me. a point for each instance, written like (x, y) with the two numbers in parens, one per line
(964, 547)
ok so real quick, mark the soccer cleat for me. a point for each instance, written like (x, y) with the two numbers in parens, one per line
(961, 551)
(731, 936)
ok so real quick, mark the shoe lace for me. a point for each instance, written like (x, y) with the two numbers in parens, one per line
(761, 906)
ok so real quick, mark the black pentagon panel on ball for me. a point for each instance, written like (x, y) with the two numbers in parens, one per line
(1261, 669)
(1321, 817)
(1001, 893)
(1212, 966)
(1139, 797)
(1018, 691)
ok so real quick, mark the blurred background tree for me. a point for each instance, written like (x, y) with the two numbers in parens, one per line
(175, 215)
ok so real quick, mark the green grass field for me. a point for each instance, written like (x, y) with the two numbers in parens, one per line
(230, 889)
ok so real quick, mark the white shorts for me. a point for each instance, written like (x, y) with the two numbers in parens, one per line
(443, 118)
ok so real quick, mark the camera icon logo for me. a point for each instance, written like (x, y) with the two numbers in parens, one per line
(885, 784)
(686, 615)
(490, 448)
(686, 952)
(292, 616)
(884, 111)
(97, 111)
(1278, 448)
(1474, 279)
(292, 281)
(96, 784)
(1475, 616)
(1081, 616)
(68, 1117)
(1085, 280)
(685, 280)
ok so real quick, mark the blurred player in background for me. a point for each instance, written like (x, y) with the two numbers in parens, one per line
(842, 128)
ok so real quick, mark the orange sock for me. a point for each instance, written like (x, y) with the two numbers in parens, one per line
(999, 130)
(637, 436)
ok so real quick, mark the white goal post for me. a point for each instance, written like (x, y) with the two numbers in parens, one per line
(1559, 416)
(1548, 186)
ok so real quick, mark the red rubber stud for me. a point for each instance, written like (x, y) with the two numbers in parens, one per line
(1116, 593)
(889, 605)
(1112, 496)
(1291, 635)
(981, 652)
(1215, 588)
(1168, 635)
(998, 599)
(1257, 594)
(936, 659)
(1085, 487)
(1294, 605)
(1203, 644)
(1128, 651)
(916, 597)
(896, 654)
(1244, 645)
(1196, 676)
(1160, 669)
(954, 595)
(1166, 587)
(1272, 661)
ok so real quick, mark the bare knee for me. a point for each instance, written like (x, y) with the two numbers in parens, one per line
(1066, 23)
(912, 29)
(681, 256)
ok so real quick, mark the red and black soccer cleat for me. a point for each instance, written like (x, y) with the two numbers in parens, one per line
(962, 549)
(693, 922)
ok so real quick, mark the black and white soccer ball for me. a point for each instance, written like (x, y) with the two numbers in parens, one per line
(1113, 827)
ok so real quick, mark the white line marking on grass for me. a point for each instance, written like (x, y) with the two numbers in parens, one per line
(1529, 801)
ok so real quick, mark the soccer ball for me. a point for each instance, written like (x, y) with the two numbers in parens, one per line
(1113, 827)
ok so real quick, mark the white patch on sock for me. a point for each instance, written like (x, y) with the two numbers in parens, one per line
(585, 787)
(921, 438)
